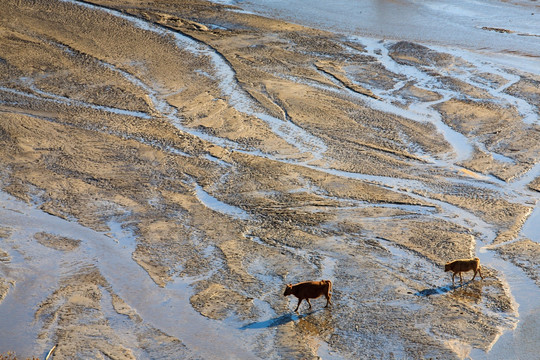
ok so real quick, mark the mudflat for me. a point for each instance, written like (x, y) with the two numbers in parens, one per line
(167, 167)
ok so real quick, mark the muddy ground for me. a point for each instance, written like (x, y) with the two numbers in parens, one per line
(228, 154)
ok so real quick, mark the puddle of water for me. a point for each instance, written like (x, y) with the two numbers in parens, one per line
(497, 157)
(219, 206)
(523, 180)
(531, 228)
(122, 235)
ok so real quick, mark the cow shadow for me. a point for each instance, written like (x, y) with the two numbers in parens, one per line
(277, 321)
(440, 290)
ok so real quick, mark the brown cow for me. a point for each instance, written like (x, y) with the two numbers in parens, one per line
(310, 290)
(463, 265)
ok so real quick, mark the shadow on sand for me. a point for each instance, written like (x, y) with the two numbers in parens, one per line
(277, 321)
(439, 290)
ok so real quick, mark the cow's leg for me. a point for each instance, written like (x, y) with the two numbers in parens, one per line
(297, 306)
(453, 276)
(328, 296)
(460, 278)
(309, 303)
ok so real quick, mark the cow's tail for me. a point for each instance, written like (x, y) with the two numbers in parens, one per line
(329, 284)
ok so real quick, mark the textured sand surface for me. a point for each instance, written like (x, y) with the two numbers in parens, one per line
(166, 167)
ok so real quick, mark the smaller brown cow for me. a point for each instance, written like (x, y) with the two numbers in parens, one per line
(310, 290)
(463, 265)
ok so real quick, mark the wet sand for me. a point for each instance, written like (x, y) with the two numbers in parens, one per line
(167, 168)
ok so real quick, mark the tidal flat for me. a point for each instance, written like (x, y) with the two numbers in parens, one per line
(167, 167)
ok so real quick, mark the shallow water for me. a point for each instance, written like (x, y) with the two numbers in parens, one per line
(531, 228)
(435, 22)
(219, 206)
(37, 270)
(521, 342)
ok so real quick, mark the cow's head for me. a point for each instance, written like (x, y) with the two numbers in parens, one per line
(288, 290)
(447, 267)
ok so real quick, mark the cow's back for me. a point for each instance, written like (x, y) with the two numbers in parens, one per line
(312, 289)
(464, 265)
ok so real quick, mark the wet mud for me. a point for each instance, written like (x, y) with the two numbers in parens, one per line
(166, 168)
